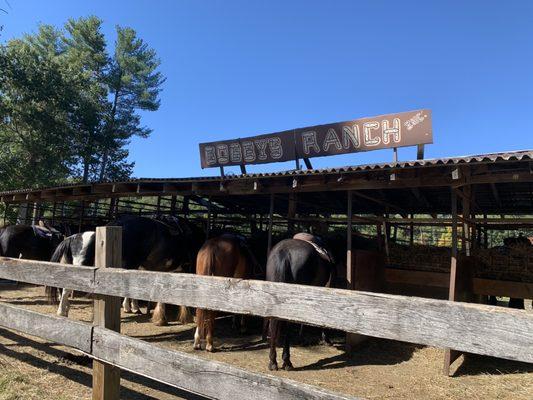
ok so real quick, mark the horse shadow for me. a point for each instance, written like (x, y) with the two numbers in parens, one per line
(475, 364)
(373, 351)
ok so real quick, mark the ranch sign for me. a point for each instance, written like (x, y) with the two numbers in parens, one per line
(385, 131)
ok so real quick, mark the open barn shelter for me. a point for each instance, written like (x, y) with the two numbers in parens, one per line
(433, 220)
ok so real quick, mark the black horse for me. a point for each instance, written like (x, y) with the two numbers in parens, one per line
(303, 260)
(155, 244)
(29, 241)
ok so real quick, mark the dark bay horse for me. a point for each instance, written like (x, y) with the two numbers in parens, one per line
(31, 242)
(228, 256)
(303, 260)
(163, 244)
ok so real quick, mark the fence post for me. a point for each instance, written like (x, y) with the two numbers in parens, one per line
(106, 378)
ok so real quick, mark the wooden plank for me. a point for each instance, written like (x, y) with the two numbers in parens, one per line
(48, 274)
(108, 254)
(492, 287)
(411, 277)
(197, 375)
(55, 329)
(474, 328)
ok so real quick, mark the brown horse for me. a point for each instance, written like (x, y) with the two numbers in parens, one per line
(228, 256)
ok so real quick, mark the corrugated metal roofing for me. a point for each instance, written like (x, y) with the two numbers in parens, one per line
(522, 155)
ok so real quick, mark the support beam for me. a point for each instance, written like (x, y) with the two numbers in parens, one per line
(450, 355)
(270, 222)
(349, 271)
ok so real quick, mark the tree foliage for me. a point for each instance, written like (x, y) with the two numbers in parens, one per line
(69, 107)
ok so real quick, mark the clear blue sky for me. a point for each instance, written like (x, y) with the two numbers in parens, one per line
(239, 68)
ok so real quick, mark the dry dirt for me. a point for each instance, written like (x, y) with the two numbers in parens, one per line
(34, 369)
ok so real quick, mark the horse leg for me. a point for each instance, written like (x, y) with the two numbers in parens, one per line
(266, 326)
(135, 306)
(242, 327)
(126, 305)
(286, 356)
(210, 331)
(325, 338)
(199, 333)
(274, 331)
(64, 303)
(159, 318)
(516, 303)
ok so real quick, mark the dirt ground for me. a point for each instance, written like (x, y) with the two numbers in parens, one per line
(31, 368)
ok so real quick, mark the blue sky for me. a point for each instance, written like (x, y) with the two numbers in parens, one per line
(241, 68)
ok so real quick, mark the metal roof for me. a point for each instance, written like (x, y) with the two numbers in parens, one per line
(521, 155)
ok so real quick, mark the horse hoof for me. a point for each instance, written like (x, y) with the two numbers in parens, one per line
(272, 366)
(287, 366)
(160, 323)
(210, 348)
(197, 347)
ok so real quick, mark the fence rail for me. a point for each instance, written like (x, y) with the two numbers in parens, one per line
(185, 371)
(472, 328)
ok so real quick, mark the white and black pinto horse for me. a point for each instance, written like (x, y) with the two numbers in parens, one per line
(163, 244)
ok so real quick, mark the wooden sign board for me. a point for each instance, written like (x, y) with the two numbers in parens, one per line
(385, 131)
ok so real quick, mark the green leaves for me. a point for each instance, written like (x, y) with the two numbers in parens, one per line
(68, 108)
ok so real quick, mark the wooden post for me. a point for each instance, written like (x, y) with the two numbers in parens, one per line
(450, 355)
(82, 211)
(54, 208)
(35, 218)
(106, 378)
(185, 205)
(158, 210)
(291, 213)
(6, 208)
(270, 218)
(173, 200)
(411, 231)
(208, 229)
(349, 214)
(112, 208)
(386, 233)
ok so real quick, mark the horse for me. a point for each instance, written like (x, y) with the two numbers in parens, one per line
(162, 244)
(32, 242)
(304, 260)
(228, 256)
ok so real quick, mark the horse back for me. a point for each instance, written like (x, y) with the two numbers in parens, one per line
(222, 256)
(297, 261)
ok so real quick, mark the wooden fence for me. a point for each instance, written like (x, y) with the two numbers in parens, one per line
(472, 328)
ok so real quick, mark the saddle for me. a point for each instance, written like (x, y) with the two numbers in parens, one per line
(44, 232)
(318, 244)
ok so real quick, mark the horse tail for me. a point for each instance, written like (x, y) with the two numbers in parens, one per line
(205, 265)
(206, 260)
(62, 252)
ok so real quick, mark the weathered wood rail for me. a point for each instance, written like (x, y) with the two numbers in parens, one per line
(472, 328)
(185, 371)
(466, 327)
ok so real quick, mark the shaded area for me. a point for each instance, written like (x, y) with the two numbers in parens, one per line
(64, 360)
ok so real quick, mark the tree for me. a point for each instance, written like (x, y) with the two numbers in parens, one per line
(35, 104)
(134, 84)
(68, 109)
